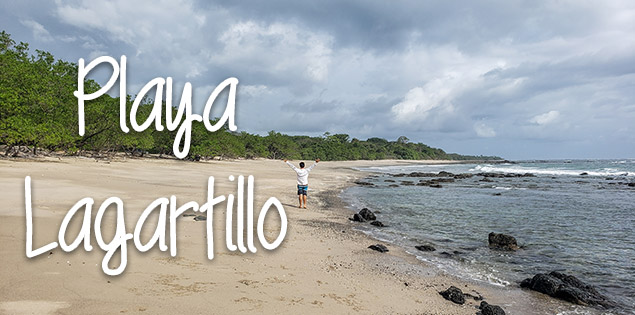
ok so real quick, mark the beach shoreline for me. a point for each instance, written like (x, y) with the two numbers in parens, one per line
(323, 265)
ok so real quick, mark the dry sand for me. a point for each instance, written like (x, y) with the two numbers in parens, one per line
(323, 265)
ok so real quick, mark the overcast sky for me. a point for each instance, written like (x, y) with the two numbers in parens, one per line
(518, 79)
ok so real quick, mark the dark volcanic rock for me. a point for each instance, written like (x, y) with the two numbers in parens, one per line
(568, 288)
(463, 176)
(377, 223)
(584, 174)
(378, 247)
(364, 183)
(502, 241)
(425, 248)
(453, 294)
(436, 186)
(419, 174)
(542, 283)
(200, 218)
(389, 181)
(393, 185)
(489, 309)
(367, 214)
(454, 255)
(495, 175)
(357, 218)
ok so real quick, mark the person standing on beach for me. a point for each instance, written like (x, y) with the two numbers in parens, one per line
(303, 180)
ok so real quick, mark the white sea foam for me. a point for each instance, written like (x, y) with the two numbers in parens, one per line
(504, 188)
(546, 171)
(460, 270)
(616, 168)
(624, 161)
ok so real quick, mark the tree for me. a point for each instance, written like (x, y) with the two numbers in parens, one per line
(403, 140)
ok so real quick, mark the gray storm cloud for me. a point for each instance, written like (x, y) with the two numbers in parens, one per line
(503, 78)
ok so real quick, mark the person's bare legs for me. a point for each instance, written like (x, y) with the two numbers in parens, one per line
(300, 200)
(304, 198)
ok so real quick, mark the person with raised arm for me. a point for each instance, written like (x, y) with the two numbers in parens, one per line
(303, 180)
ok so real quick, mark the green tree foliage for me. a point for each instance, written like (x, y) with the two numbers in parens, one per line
(32, 91)
(38, 110)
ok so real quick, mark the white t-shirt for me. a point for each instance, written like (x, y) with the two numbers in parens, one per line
(303, 173)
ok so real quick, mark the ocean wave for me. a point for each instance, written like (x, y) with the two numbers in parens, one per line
(504, 188)
(632, 161)
(462, 271)
(508, 188)
(545, 171)
(400, 168)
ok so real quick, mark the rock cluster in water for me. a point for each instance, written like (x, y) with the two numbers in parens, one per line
(445, 177)
(462, 175)
(425, 248)
(366, 215)
(502, 241)
(568, 288)
(507, 175)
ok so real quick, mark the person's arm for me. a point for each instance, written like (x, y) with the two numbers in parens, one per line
(291, 165)
(314, 164)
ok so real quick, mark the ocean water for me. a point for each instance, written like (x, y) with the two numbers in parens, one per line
(579, 224)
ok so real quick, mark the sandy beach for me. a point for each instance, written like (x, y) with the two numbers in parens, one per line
(322, 266)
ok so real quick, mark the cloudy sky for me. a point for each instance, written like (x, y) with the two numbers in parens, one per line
(518, 79)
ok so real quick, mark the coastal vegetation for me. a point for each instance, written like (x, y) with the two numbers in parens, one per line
(38, 110)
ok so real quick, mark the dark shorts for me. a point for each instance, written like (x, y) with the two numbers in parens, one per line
(302, 189)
